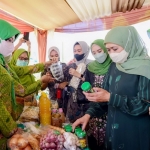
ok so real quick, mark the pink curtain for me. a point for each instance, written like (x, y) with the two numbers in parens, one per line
(42, 43)
(20, 25)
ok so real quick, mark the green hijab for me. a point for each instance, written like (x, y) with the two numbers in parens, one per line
(96, 67)
(138, 61)
(7, 30)
(27, 78)
(15, 56)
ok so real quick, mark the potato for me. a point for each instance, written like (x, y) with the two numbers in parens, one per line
(28, 148)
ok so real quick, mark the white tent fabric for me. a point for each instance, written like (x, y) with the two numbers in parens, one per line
(92, 9)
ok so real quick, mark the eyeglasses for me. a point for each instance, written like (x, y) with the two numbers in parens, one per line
(12, 39)
(24, 58)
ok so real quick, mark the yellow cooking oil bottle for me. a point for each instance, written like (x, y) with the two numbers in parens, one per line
(45, 109)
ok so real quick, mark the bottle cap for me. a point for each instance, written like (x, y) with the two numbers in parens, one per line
(68, 128)
(81, 134)
(86, 86)
(77, 130)
(60, 110)
(43, 94)
(20, 126)
(54, 110)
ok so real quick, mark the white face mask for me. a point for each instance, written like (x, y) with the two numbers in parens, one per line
(119, 57)
(6, 48)
(100, 57)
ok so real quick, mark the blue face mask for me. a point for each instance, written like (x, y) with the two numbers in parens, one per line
(21, 63)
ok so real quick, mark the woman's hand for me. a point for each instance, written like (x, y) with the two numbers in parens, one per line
(83, 120)
(21, 41)
(50, 62)
(47, 79)
(71, 61)
(74, 73)
(100, 95)
(62, 85)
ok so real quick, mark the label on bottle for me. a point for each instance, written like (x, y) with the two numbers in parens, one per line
(82, 143)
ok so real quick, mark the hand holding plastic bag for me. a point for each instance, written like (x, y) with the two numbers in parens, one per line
(57, 71)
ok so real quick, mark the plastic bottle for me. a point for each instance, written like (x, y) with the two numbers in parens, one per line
(77, 130)
(60, 111)
(86, 86)
(56, 118)
(59, 96)
(45, 109)
(82, 139)
(58, 93)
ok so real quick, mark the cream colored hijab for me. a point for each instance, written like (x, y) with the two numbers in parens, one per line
(55, 49)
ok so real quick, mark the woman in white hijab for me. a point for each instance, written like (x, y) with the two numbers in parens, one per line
(57, 85)
(77, 104)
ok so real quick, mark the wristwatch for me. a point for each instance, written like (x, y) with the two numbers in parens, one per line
(81, 76)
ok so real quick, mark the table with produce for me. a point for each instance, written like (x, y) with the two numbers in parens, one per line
(43, 127)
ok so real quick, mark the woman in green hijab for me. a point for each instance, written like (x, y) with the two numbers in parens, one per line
(95, 74)
(9, 85)
(19, 64)
(126, 90)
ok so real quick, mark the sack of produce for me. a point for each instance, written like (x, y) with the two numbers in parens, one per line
(30, 113)
(19, 142)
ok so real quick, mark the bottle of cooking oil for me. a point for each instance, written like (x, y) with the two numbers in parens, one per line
(45, 109)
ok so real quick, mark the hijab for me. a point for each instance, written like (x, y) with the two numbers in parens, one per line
(86, 50)
(7, 31)
(138, 61)
(96, 67)
(16, 55)
(51, 49)
(27, 78)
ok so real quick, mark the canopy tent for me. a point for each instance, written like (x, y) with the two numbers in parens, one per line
(66, 16)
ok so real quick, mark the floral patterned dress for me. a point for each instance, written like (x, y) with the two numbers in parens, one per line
(97, 125)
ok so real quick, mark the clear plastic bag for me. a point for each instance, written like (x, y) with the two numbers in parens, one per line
(30, 113)
(57, 71)
(75, 80)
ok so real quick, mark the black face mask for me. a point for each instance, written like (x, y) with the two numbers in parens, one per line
(79, 57)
